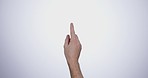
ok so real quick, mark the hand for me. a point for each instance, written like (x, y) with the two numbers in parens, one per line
(72, 49)
(72, 46)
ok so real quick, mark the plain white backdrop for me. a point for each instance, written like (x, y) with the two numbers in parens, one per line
(113, 33)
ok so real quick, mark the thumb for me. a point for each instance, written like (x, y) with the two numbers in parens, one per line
(67, 41)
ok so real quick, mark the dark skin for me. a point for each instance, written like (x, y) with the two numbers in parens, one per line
(72, 50)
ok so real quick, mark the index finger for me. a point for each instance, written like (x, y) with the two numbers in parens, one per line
(72, 31)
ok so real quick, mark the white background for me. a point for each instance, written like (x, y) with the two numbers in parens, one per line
(113, 33)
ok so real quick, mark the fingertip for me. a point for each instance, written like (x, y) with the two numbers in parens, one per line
(71, 27)
(71, 24)
(67, 36)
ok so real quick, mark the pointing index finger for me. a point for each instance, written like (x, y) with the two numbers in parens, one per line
(72, 31)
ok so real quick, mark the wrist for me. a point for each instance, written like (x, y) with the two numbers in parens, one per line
(72, 61)
(75, 69)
